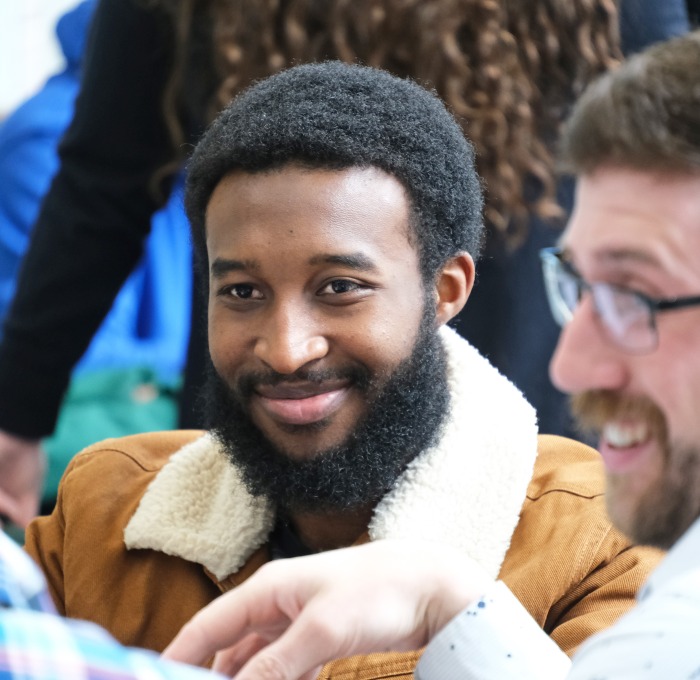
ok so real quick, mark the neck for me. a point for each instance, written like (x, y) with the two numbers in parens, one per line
(330, 529)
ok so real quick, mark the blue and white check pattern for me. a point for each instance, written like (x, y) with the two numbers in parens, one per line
(37, 644)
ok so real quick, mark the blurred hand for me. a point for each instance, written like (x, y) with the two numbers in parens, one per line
(22, 466)
(294, 615)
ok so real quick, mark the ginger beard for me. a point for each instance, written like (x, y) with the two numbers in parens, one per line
(655, 505)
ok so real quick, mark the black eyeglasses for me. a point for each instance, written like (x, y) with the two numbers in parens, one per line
(628, 317)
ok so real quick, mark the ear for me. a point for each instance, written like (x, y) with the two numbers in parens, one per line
(453, 286)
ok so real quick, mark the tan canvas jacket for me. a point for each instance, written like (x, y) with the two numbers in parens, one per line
(150, 528)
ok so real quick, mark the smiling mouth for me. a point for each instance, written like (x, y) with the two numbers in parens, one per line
(301, 404)
(625, 434)
(625, 445)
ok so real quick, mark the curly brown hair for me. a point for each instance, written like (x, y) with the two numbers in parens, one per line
(509, 70)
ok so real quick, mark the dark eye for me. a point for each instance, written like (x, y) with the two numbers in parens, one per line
(340, 286)
(243, 291)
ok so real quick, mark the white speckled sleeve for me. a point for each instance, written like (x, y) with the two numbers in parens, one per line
(657, 640)
(496, 639)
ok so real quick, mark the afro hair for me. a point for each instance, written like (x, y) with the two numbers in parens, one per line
(334, 115)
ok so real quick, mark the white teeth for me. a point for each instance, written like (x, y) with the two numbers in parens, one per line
(622, 435)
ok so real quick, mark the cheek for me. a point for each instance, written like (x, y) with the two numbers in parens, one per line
(396, 326)
(388, 334)
(681, 410)
(676, 383)
(225, 342)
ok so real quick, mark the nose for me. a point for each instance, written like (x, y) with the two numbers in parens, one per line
(584, 358)
(290, 339)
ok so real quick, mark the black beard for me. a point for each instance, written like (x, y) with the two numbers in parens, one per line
(404, 417)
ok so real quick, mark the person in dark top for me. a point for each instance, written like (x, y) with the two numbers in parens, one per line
(157, 72)
(128, 379)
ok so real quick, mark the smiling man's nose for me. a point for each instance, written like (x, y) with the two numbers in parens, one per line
(289, 341)
(584, 358)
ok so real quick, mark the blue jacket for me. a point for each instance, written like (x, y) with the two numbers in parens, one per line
(149, 322)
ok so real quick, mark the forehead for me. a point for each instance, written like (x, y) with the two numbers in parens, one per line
(302, 209)
(629, 217)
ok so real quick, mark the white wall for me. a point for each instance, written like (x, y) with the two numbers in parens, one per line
(29, 51)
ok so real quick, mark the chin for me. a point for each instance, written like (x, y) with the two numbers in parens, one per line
(304, 442)
(656, 514)
(621, 508)
(632, 501)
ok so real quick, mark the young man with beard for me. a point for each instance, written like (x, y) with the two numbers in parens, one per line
(336, 211)
(625, 284)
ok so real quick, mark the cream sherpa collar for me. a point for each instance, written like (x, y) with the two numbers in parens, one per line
(466, 491)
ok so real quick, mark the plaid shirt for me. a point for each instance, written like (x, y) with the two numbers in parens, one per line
(37, 644)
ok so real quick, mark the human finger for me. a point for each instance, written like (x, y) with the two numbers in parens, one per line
(298, 653)
(22, 468)
(226, 621)
(10, 511)
(229, 661)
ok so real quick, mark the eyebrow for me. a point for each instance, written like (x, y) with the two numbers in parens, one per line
(617, 256)
(626, 255)
(221, 266)
(357, 261)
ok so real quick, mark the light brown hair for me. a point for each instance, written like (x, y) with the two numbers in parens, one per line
(645, 115)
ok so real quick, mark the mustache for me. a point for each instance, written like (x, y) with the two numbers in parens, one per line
(594, 408)
(247, 383)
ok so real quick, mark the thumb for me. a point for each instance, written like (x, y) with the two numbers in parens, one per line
(298, 654)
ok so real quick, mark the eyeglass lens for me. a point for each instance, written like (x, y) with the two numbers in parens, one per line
(625, 317)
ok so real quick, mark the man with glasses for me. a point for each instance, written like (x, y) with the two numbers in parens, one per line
(625, 284)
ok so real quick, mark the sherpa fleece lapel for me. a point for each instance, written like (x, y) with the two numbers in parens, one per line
(466, 491)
